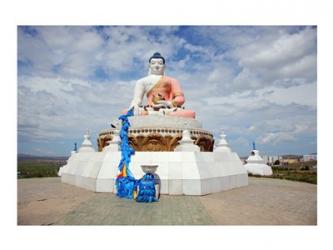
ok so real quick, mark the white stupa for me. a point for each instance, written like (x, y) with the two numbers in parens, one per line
(222, 145)
(256, 165)
(186, 143)
(86, 144)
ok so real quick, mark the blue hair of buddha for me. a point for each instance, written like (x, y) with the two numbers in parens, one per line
(157, 55)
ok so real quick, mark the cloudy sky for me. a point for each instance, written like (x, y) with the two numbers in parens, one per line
(258, 83)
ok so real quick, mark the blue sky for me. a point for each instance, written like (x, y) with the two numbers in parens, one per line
(256, 82)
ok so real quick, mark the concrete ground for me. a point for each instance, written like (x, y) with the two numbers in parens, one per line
(265, 201)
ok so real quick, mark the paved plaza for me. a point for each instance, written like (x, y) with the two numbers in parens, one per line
(265, 201)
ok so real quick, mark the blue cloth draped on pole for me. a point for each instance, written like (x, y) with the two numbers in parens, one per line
(125, 182)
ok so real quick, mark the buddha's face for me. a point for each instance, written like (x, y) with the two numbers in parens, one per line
(156, 66)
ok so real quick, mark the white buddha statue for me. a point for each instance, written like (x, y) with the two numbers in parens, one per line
(164, 94)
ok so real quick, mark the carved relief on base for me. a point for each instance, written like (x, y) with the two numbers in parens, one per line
(158, 142)
(154, 142)
(206, 144)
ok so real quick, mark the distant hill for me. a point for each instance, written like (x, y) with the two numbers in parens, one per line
(21, 157)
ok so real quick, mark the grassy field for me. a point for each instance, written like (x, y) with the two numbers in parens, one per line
(294, 173)
(38, 168)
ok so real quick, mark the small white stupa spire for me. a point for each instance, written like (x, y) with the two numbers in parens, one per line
(114, 144)
(86, 144)
(186, 143)
(223, 145)
(74, 151)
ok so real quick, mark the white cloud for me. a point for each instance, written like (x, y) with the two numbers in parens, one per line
(274, 138)
(73, 49)
(286, 135)
(285, 48)
(58, 108)
(252, 128)
(126, 43)
(281, 57)
(305, 94)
